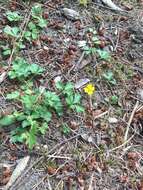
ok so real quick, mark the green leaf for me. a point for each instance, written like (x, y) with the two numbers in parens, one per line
(43, 128)
(13, 95)
(70, 100)
(68, 89)
(95, 39)
(59, 85)
(13, 16)
(36, 10)
(114, 100)
(83, 2)
(65, 129)
(19, 116)
(27, 35)
(53, 101)
(79, 108)
(12, 31)
(31, 26)
(34, 34)
(77, 98)
(108, 75)
(25, 123)
(21, 69)
(103, 54)
(42, 22)
(7, 120)
(18, 135)
(6, 51)
(35, 69)
(28, 101)
(46, 116)
(31, 137)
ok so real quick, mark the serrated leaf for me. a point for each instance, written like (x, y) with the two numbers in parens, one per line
(77, 98)
(31, 26)
(12, 31)
(7, 120)
(13, 95)
(42, 22)
(59, 85)
(43, 128)
(79, 108)
(70, 100)
(13, 16)
(25, 123)
(35, 69)
(103, 54)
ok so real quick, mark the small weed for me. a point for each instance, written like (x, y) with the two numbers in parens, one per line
(109, 77)
(92, 45)
(16, 34)
(114, 100)
(65, 129)
(37, 108)
(73, 100)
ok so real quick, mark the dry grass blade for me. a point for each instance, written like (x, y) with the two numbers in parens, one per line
(130, 121)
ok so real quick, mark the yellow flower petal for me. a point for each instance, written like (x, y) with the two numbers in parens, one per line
(89, 89)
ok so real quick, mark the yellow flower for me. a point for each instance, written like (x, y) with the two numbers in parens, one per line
(89, 89)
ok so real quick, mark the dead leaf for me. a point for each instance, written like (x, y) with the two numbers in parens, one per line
(51, 170)
(73, 125)
(71, 14)
(81, 83)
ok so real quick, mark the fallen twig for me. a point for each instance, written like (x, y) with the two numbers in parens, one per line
(130, 121)
(120, 146)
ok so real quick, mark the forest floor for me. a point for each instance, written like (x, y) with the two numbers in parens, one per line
(101, 148)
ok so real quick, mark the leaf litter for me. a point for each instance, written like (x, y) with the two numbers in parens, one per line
(94, 143)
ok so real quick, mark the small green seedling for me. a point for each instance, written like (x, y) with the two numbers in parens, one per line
(109, 77)
(91, 46)
(114, 100)
(65, 129)
(73, 100)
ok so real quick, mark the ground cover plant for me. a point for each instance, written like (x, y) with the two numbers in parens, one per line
(71, 95)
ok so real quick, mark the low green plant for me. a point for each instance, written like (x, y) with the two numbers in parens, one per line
(12, 31)
(36, 24)
(65, 129)
(32, 31)
(21, 69)
(109, 77)
(37, 108)
(73, 99)
(91, 45)
(114, 100)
